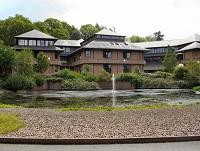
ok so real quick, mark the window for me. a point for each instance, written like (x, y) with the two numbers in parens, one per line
(126, 55)
(67, 50)
(42, 43)
(107, 54)
(127, 67)
(87, 53)
(21, 42)
(38, 42)
(107, 67)
(32, 42)
(56, 55)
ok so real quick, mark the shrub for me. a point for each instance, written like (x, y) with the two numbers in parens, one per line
(19, 82)
(69, 74)
(79, 85)
(87, 76)
(161, 74)
(104, 76)
(180, 73)
(197, 88)
(39, 79)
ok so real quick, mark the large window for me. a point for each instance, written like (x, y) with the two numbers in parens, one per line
(126, 54)
(107, 67)
(127, 68)
(32, 42)
(107, 54)
(22, 42)
(87, 53)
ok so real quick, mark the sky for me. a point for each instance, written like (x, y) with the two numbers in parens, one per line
(174, 18)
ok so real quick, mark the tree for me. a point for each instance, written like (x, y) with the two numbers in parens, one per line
(75, 34)
(7, 56)
(42, 26)
(135, 38)
(158, 36)
(88, 30)
(24, 63)
(170, 60)
(14, 26)
(43, 62)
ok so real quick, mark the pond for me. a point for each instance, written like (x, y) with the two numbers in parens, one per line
(57, 99)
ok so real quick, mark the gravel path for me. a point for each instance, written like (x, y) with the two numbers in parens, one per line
(48, 123)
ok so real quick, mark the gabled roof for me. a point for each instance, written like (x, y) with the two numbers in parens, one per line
(70, 43)
(194, 45)
(35, 34)
(165, 43)
(108, 33)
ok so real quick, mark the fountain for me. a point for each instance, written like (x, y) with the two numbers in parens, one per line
(113, 90)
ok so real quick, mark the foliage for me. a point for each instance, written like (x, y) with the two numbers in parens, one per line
(69, 74)
(8, 106)
(104, 76)
(75, 34)
(158, 36)
(19, 82)
(7, 56)
(135, 38)
(10, 123)
(40, 79)
(24, 62)
(161, 74)
(79, 84)
(197, 88)
(14, 26)
(170, 60)
(43, 62)
(41, 26)
(180, 72)
(88, 30)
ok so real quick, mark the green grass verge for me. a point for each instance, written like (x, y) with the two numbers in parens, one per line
(131, 107)
(8, 106)
(10, 123)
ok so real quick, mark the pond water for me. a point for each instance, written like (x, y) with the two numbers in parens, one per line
(54, 99)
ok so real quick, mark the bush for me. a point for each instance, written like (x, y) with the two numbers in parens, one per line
(79, 85)
(104, 76)
(87, 76)
(158, 83)
(40, 79)
(133, 78)
(180, 73)
(161, 74)
(19, 82)
(197, 88)
(69, 74)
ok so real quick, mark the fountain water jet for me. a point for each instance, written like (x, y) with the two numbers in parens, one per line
(113, 90)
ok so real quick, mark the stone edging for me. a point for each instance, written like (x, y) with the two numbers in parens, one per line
(98, 141)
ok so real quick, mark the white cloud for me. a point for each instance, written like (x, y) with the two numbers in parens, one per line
(175, 18)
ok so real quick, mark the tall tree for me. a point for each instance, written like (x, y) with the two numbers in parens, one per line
(75, 34)
(7, 56)
(135, 38)
(158, 36)
(170, 60)
(43, 62)
(42, 26)
(14, 26)
(88, 30)
(24, 63)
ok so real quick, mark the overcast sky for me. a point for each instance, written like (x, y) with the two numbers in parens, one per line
(175, 18)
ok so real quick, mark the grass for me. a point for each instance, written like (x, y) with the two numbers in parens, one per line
(10, 123)
(8, 106)
(131, 107)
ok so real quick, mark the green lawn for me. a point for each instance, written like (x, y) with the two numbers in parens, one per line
(9, 123)
(130, 107)
(7, 106)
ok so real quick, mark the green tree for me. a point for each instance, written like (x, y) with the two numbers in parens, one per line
(170, 60)
(24, 62)
(158, 35)
(43, 62)
(75, 34)
(88, 30)
(41, 26)
(135, 38)
(7, 56)
(14, 26)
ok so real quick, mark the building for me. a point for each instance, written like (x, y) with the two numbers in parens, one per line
(106, 50)
(38, 41)
(155, 56)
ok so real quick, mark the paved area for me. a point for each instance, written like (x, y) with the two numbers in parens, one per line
(181, 146)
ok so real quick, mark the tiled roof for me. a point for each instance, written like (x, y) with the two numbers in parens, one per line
(42, 48)
(70, 43)
(194, 45)
(35, 34)
(165, 43)
(108, 32)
